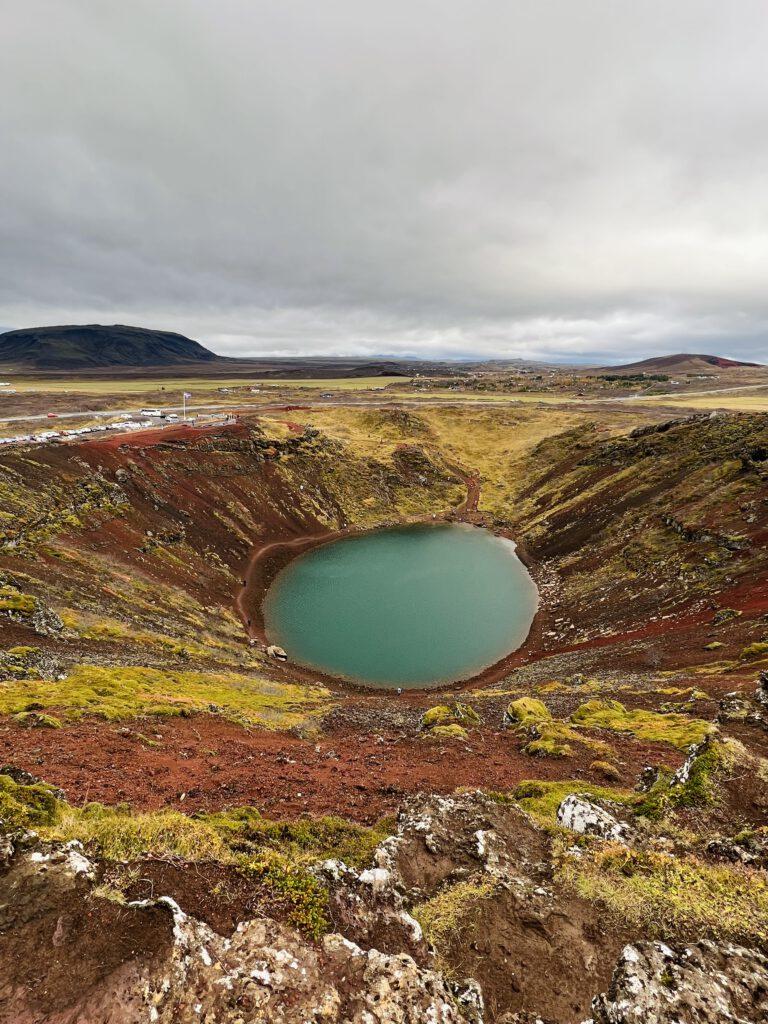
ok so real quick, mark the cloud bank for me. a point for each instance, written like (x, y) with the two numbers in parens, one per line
(462, 178)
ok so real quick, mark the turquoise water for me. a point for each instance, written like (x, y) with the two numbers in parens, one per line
(404, 607)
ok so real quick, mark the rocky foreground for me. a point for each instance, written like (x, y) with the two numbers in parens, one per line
(73, 947)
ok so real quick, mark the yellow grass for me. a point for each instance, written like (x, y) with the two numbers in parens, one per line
(735, 401)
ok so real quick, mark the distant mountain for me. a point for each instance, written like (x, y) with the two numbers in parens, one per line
(683, 362)
(96, 347)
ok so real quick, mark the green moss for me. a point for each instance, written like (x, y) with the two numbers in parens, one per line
(117, 833)
(127, 692)
(549, 738)
(527, 711)
(26, 805)
(547, 746)
(441, 714)
(245, 831)
(698, 790)
(649, 726)
(756, 650)
(454, 731)
(13, 600)
(37, 720)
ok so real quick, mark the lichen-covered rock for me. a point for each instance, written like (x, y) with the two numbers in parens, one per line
(29, 610)
(580, 815)
(367, 909)
(736, 709)
(699, 984)
(761, 691)
(448, 732)
(750, 846)
(106, 959)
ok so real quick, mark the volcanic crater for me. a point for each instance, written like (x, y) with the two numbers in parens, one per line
(132, 574)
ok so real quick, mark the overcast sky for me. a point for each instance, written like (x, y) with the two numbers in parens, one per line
(568, 179)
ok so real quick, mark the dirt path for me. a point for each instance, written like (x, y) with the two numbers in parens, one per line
(471, 481)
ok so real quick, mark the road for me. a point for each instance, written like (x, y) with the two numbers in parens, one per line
(107, 413)
(364, 399)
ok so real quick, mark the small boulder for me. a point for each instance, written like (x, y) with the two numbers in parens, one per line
(580, 815)
(449, 732)
(526, 711)
(441, 714)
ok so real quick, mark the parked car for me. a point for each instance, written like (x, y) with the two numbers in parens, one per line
(151, 412)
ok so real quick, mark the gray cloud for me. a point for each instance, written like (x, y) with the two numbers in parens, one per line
(444, 177)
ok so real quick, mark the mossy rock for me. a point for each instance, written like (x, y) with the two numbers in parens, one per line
(441, 714)
(25, 805)
(466, 714)
(592, 711)
(449, 732)
(725, 615)
(13, 600)
(756, 650)
(714, 646)
(37, 720)
(547, 746)
(527, 711)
